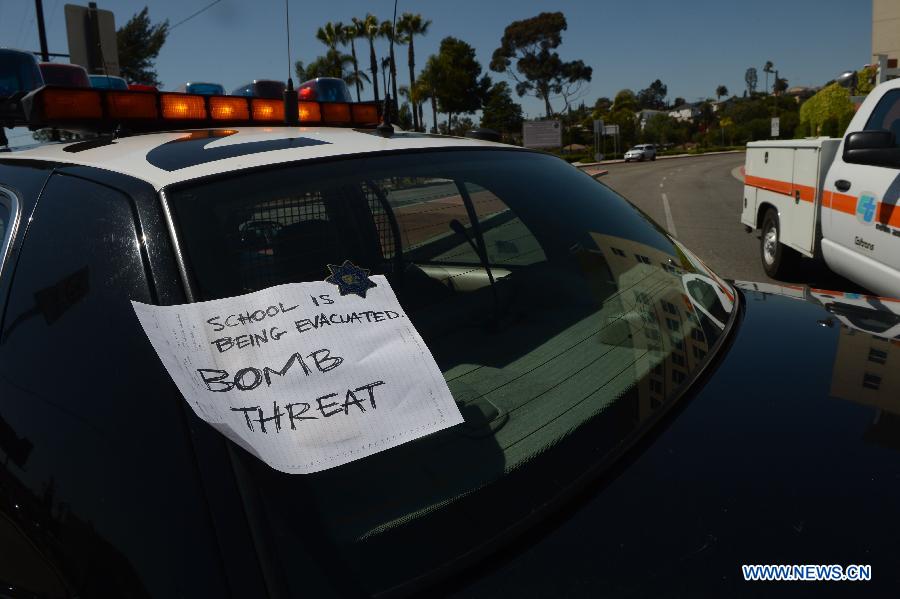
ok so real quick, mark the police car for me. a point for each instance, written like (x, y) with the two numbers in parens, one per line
(620, 432)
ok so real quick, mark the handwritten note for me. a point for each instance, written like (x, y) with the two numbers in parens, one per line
(302, 377)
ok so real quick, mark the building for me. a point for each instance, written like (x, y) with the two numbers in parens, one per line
(685, 112)
(886, 30)
(643, 117)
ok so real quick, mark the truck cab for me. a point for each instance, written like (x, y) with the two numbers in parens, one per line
(834, 199)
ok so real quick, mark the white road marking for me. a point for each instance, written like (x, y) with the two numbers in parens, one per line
(670, 222)
(660, 184)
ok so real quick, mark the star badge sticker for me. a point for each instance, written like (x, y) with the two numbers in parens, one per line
(350, 278)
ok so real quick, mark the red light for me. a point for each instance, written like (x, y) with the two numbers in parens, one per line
(182, 107)
(130, 105)
(310, 112)
(335, 112)
(267, 110)
(71, 104)
(306, 93)
(223, 109)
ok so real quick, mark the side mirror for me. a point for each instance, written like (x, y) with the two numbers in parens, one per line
(874, 148)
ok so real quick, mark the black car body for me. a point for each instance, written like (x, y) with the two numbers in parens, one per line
(758, 436)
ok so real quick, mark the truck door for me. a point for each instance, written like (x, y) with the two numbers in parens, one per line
(861, 229)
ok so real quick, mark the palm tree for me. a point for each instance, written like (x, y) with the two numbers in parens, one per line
(769, 68)
(721, 91)
(385, 69)
(331, 34)
(409, 26)
(351, 32)
(386, 30)
(368, 28)
(427, 85)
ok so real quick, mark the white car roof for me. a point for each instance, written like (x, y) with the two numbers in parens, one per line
(129, 155)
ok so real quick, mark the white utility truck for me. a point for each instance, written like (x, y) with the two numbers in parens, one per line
(832, 198)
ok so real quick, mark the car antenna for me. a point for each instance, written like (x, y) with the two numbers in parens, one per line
(291, 107)
(385, 129)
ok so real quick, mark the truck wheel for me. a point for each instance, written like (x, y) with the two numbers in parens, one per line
(778, 260)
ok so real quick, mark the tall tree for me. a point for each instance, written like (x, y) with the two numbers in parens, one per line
(780, 85)
(653, 96)
(385, 72)
(350, 33)
(331, 34)
(386, 30)
(426, 88)
(500, 113)
(368, 29)
(768, 68)
(539, 70)
(333, 64)
(454, 76)
(750, 79)
(721, 91)
(410, 25)
(139, 44)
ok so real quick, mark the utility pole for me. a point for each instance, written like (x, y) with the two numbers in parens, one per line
(42, 33)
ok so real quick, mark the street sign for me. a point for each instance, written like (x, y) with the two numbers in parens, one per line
(92, 39)
(776, 124)
(542, 134)
(598, 126)
(611, 130)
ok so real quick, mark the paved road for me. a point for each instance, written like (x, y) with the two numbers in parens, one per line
(699, 200)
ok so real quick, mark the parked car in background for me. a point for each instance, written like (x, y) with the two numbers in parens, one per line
(261, 88)
(324, 89)
(641, 152)
(19, 72)
(108, 82)
(67, 75)
(204, 89)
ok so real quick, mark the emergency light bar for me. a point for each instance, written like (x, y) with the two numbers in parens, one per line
(100, 109)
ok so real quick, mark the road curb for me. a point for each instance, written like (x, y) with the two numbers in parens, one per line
(619, 161)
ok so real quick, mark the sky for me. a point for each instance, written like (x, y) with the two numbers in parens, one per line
(691, 45)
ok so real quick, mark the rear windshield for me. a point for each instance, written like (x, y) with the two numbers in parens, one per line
(583, 325)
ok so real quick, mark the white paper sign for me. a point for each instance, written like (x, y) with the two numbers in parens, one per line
(302, 377)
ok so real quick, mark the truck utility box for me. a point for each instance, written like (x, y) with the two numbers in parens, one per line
(788, 176)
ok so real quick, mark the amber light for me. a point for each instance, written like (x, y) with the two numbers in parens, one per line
(131, 105)
(267, 110)
(310, 112)
(365, 114)
(335, 112)
(182, 106)
(222, 109)
(67, 104)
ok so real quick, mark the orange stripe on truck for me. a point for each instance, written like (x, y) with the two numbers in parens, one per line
(886, 214)
(843, 203)
(807, 193)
